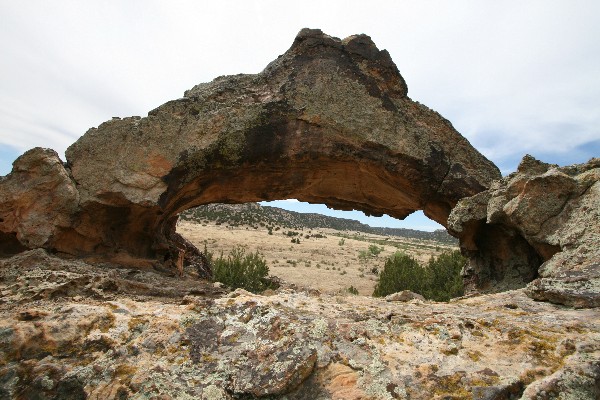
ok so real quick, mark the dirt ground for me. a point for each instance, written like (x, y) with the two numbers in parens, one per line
(330, 264)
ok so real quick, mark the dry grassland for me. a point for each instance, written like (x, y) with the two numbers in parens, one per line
(328, 264)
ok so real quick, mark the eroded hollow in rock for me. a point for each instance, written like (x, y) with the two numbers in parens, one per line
(499, 259)
(10, 245)
(539, 223)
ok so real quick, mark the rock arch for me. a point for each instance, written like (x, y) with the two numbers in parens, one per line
(327, 122)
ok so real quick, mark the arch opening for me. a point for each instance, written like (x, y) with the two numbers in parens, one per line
(310, 250)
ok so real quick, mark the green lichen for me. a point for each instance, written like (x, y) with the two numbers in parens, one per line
(124, 373)
(230, 148)
(451, 387)
(137, 324)
(189, 319)
(541, 346)
(320, 327)
(213, 392)
(106, 322)
(474, 355)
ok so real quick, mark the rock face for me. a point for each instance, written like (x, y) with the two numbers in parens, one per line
(71, 330)
(38, 201)
(541, 222)
(327, 122)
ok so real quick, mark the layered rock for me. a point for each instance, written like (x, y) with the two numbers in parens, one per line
(540, 224)
(327, 122)
(74, 330)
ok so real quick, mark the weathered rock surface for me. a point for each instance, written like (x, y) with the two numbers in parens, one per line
(327, 122)
(123, 340)
(540, 224)
(37, 201)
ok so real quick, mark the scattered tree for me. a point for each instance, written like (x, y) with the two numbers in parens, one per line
(400, 272)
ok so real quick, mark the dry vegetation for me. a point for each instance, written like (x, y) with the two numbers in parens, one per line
(331, 263)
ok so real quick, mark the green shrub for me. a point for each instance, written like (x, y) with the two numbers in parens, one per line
(400, 272)
(445, 276)
(363, 256)
(375, 250)
(439, 280)
(241, 270)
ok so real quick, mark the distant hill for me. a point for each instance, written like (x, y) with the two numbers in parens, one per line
(255, 215)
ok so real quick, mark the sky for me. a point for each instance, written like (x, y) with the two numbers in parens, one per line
(514, 77)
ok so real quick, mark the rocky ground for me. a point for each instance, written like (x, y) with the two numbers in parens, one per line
(71, 330)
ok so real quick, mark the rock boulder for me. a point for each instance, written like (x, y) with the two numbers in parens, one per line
(38, 200)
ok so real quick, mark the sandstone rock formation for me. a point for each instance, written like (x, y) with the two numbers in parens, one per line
(327, 122)
(541, 222)
(71, 330)
(38, 201)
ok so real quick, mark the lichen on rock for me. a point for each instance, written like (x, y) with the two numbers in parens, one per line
(140, 342)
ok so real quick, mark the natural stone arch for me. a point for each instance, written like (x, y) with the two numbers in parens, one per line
(327, 122)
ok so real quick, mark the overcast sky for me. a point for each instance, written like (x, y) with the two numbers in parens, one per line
(514, 77)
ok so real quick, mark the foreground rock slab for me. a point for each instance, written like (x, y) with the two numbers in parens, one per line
(108, 335)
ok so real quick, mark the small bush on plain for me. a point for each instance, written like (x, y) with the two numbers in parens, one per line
(242, 270)
(352, 290)
(375, 250)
